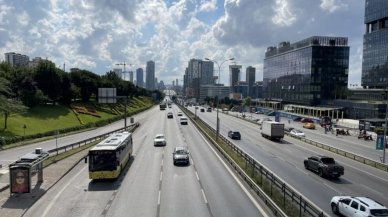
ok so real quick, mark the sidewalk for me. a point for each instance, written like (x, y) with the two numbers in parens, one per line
(17, 204)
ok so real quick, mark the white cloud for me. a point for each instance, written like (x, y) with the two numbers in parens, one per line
(283, 15)
(332, 5)
(95, 34)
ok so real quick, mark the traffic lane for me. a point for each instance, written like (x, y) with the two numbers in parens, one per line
(215, 179)
(74, 195)
(268, 153)
(355, 181)
(348, 143)
(181, 193)
(139, 191)
(77, 195)
(11, 155)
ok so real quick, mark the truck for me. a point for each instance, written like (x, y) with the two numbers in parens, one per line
(272, 130)
(162, 106)
(324, 166)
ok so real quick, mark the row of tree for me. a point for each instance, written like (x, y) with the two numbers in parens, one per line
(23, 88)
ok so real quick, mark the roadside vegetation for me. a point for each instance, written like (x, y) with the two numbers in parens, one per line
(42, 101)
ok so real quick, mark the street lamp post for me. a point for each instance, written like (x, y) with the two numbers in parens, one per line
(219, 78)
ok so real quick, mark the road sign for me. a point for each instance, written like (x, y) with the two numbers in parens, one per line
(380, 140)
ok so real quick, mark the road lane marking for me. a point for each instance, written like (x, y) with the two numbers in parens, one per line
(159, 198)
(161, 176)
(203, 195)
(255, 203)
(196, 174)
(60, 192)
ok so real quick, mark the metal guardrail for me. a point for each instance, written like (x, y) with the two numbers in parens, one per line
(288, 194)
(65, 148)
(350, 155)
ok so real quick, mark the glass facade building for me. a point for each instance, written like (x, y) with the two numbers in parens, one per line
(375, 47)
(308, 71)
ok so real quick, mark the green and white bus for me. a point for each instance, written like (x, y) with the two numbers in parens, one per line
(108, 158)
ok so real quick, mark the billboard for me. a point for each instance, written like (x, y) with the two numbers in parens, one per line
(107, 95)
(20, 180)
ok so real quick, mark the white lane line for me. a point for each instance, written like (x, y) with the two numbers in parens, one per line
(162, 163)
(159, 198)
(255, 203)
(60, 192)
(203, 195)
(196, 174)
(338, 192)
(161, 176)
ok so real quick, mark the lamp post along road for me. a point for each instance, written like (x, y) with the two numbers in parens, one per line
(219, 78)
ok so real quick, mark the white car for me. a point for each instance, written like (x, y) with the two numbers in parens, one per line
(160, 140)
(183, 121)
(179, 114)
(297, 133)
(357, 207)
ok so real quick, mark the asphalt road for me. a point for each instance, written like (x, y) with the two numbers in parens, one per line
(285, 159)
(151, 185)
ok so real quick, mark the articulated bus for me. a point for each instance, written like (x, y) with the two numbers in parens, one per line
(108, 158)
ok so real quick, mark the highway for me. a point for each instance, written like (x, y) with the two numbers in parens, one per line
(151, 185)
(348, 143)
(286, 160)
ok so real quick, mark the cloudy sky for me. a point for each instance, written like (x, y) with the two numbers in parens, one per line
(97, 34)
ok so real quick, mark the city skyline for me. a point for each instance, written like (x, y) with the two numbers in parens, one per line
(173, 32)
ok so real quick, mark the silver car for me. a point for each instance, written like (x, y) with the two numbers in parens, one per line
(160, 140)
(181, 155)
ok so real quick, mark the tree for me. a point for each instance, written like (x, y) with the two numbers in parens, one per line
(247, 102)
(48, 79)
(8, 105)
(87, 82)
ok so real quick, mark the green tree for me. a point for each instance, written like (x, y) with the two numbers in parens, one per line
(247, 102)
(7, 104)
(87, 82)
(48, 79)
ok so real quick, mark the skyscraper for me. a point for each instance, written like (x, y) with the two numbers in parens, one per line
(234, 75)
(150, 75)
(375, 47)
(131, 76)
(250, 79)
(139, 77)
(307, 72)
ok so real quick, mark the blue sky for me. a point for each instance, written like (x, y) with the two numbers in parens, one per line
(97, 34)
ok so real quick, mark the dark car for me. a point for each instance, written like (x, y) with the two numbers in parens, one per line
(324, 166)
(181, 155)
(288, 129)
(209, 109)
(297, 119)
(202, 110)
(307, 120)
(234, 135)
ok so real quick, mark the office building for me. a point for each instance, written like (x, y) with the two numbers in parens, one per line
(118, 72)
(250, 79)
(131, 76)
(150, 75)
(139, 77)
(197, 73)
(16, 59)
(176, 82)
(213, 90)
(307, 72)
(234, 75)
(375, 47)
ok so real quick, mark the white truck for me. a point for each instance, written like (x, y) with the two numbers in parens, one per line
(272, 130)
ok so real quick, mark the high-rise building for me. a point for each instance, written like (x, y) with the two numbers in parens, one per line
(139, 77)
(173, 83)
(150, 75)
(197, 73)
(176, 82)
(131, 76)
(375, 47)
(307, 72)
(118, 72)
(250, 79)
(16, 59)
(234, 75)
